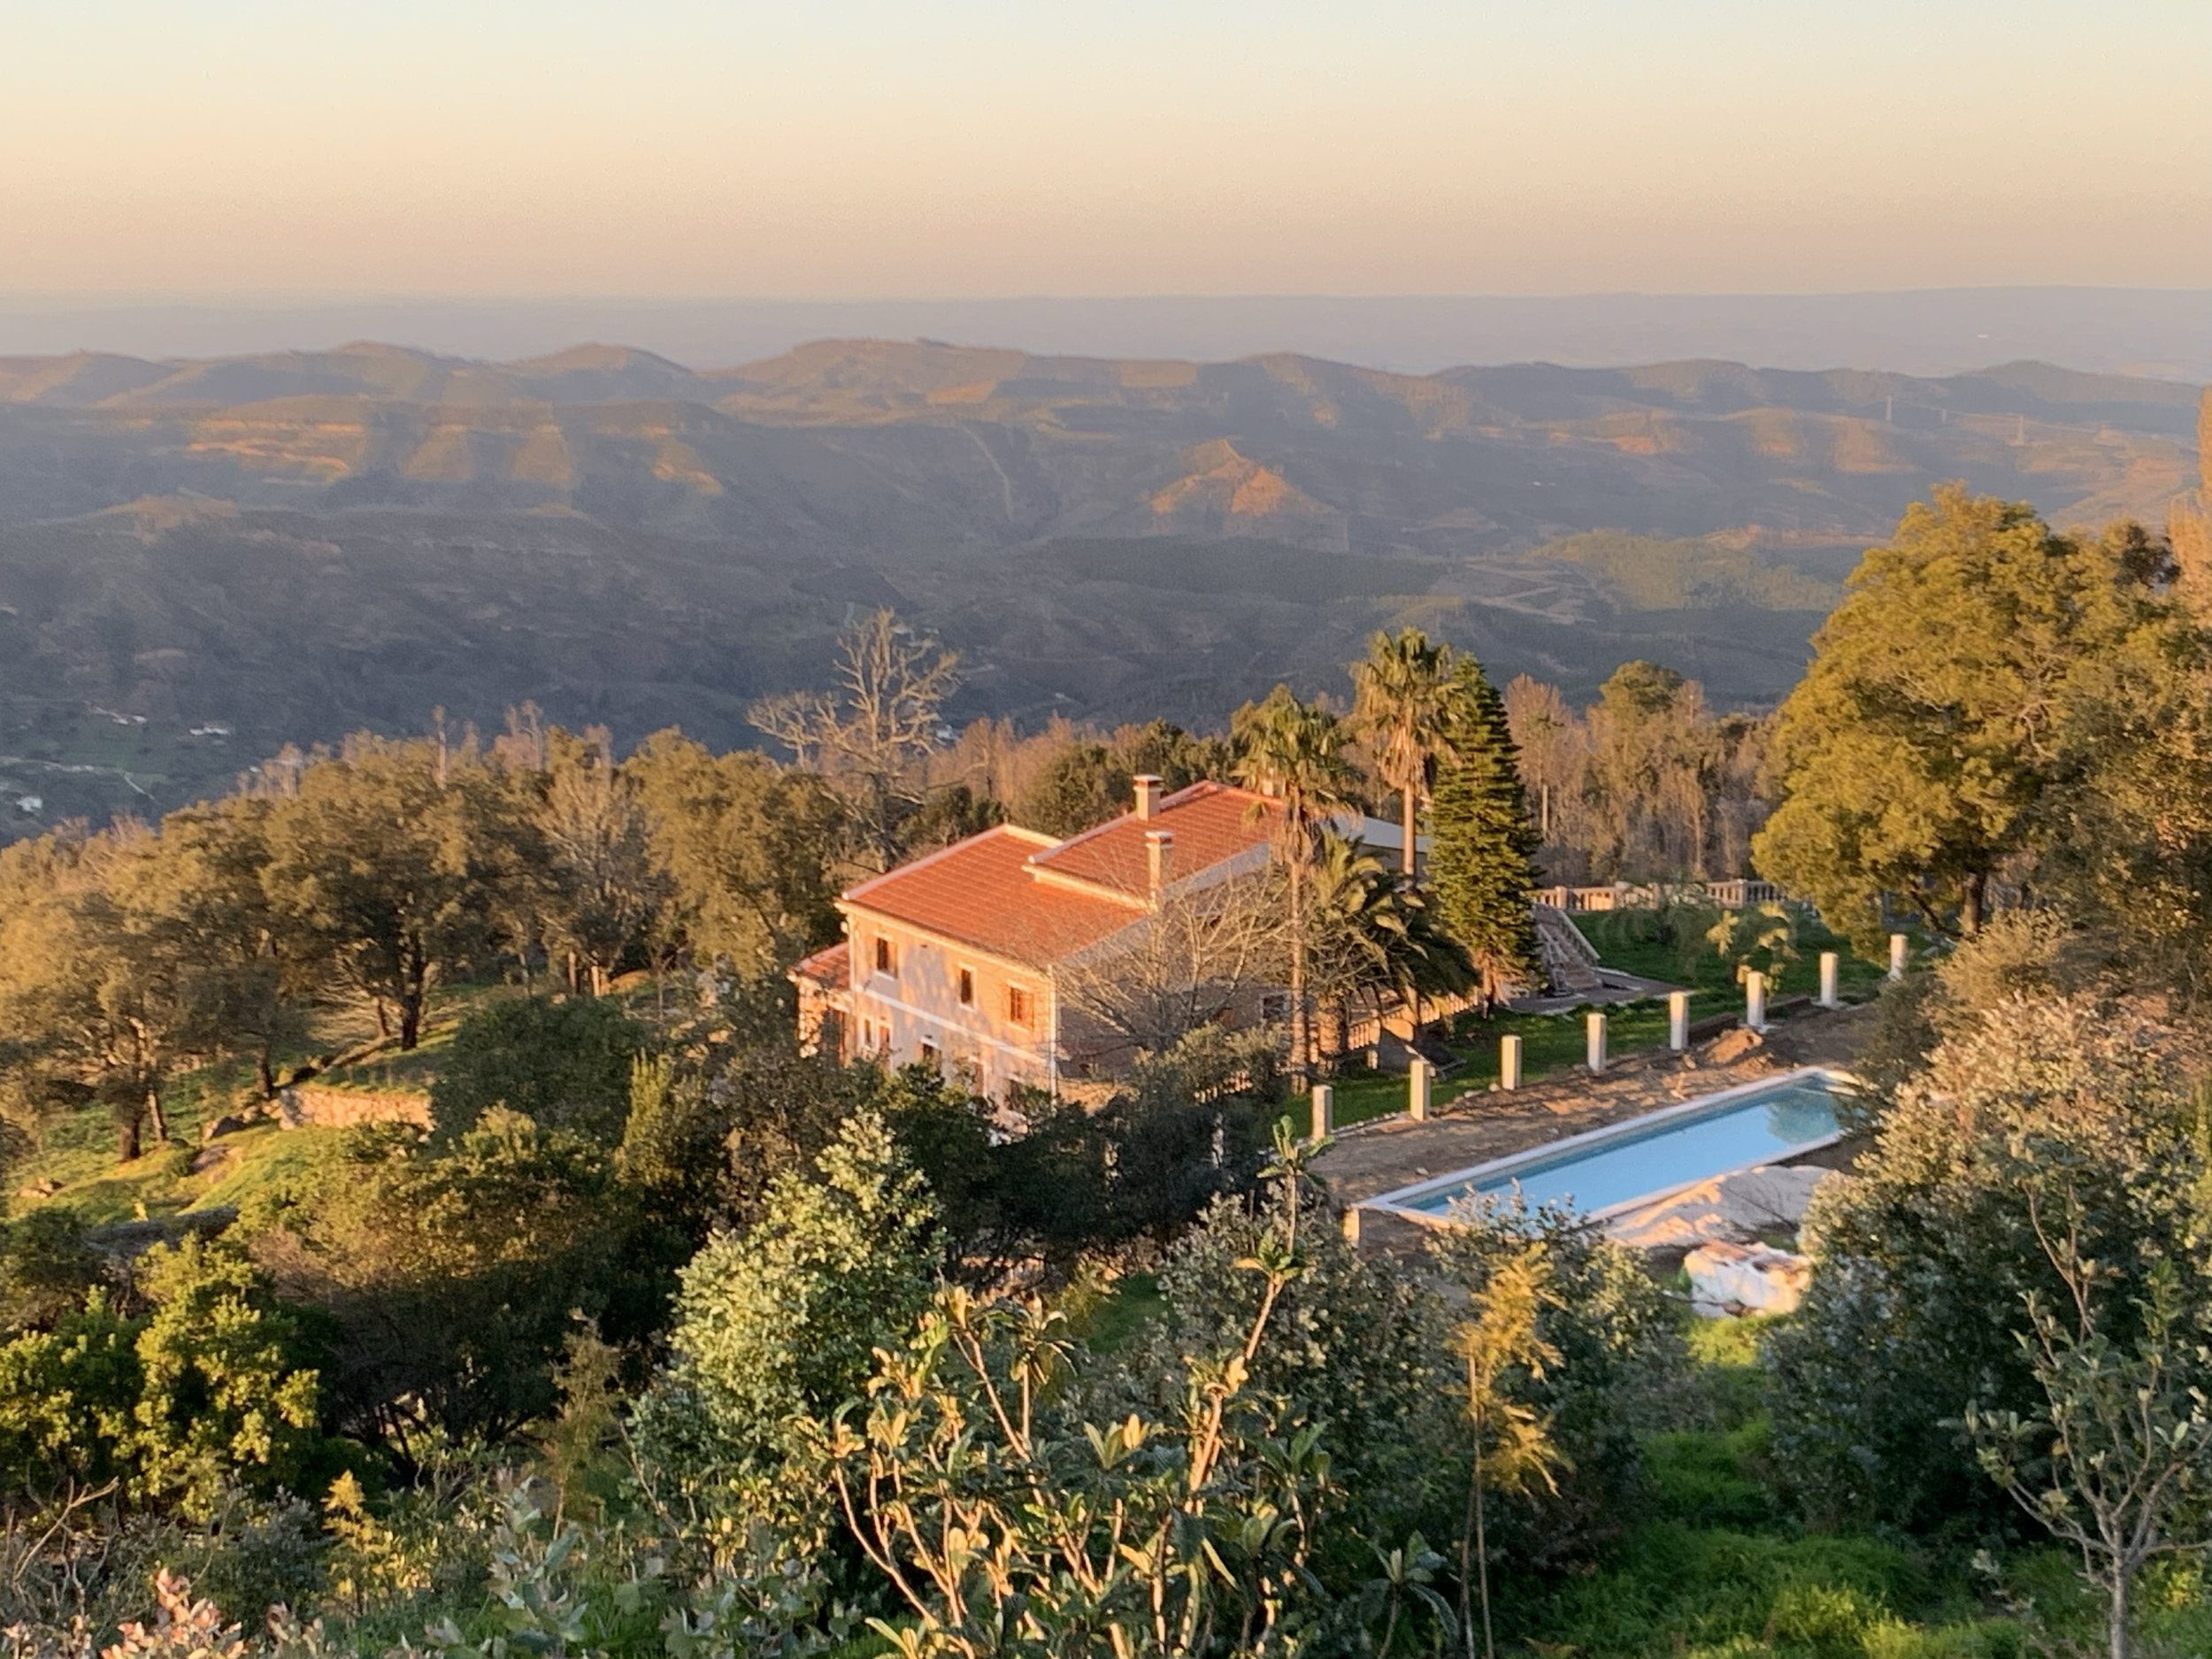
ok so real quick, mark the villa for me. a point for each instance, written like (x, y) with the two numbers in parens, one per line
(966, 958)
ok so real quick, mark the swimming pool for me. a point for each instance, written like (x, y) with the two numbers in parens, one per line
(1630, 1163)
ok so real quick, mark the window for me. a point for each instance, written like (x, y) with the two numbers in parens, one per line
(929, 1052)
(885, 962)
(1274, 1008)
(1018, 1006)
(967, 987)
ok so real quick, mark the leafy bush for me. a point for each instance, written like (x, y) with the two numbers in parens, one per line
(563, 1064)
(1355, 1351)
(1006, 1516)
(451, 1277)
(782, 1321)
(207, 1388)
(47, 1264)
(1616, 1342)
(1925, 1256)
(2019, 953)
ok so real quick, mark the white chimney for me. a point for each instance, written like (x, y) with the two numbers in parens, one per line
(1159, 850)
(1147, 794)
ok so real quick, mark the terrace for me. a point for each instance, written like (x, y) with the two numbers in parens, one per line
(1480, 1126)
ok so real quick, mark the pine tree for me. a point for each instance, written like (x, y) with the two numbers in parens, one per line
(1482, 845)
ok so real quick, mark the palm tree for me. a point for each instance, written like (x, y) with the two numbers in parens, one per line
(1293, 753)
(1376, 935)
(1400, 706)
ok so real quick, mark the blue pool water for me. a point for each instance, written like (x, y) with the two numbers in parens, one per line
(1755, 1127)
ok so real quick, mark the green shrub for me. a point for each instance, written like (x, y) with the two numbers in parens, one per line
(1618, 1347)
(783, 1321)
(47, 1263)
(562, 1065)
(204, 1392)
(1926, 1256)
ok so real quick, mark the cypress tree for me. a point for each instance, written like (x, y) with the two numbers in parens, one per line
(1481, 843)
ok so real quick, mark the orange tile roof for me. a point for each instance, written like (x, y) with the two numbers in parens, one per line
(982, 892)
(831, 968)
(1211, 822)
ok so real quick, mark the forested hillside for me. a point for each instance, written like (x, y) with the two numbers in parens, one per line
(291, 547)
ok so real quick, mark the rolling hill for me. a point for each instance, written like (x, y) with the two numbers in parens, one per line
(272, 548)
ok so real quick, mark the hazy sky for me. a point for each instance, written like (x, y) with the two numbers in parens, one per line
(970, 146)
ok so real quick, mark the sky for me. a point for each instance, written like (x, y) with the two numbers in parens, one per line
(860, 149)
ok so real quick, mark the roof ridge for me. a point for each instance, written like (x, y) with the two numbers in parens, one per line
(1198, 789)
(1077, 839)
(862, 888)
(1214, 785)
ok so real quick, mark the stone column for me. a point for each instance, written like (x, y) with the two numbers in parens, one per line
(1509, 1062)
(1755, 1000)
(1594, 1027)
(1829, 966)
(1351, 1225)
(1419, 1081)
(1678, 1020)
(1324, 1110)
(1898, 945)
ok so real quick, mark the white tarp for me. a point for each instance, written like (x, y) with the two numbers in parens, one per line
(1769, 1199)
(1736, 1278)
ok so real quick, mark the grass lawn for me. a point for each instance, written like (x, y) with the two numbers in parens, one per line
(1550, 1044)
(1672, 947)
(375, 1064)
(1711, 1562)
(163, 1182)
(1635, 941)
(1107, 1318)
(77, 1149)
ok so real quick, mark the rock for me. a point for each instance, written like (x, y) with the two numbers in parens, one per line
(123, 1240)
(46, 1187)
(1737, 1278)
(1732, 1046)
(302, 1104)
(208, 1158)
(1737, 1208)
(228, 1124)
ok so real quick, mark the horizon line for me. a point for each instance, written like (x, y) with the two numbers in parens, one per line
(121, 298)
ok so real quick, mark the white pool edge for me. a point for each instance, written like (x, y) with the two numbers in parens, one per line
(1396, 1202)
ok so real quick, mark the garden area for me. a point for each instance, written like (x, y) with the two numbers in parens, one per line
(1706, 1558)
(1698, 949)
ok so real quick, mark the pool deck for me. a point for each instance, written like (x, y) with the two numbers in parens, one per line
(1380, 1157)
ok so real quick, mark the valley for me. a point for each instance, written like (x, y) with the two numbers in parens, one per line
(295, 545)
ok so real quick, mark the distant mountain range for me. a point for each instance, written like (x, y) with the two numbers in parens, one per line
(286, 545)
(2162, 332)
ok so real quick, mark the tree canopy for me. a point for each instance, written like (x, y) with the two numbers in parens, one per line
(1947, 696)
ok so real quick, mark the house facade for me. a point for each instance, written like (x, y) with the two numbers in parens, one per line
(963, 957)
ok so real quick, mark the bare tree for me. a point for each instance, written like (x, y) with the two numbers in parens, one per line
(871, 733)
(1180, 966)
(1554, 753)
(605, 885)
